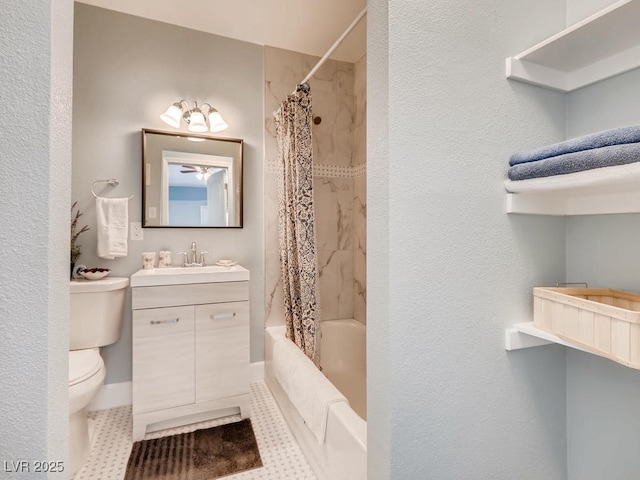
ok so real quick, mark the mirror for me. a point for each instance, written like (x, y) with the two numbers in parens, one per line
(191, 180)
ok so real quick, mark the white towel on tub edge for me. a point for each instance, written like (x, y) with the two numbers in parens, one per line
(312, 393)
(285, 361)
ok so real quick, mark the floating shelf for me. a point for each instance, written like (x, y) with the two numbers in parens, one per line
(591, 192)
(525, 335)
(594, 49)
(574, 202)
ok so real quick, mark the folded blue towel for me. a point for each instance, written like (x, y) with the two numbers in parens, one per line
(617, 136)
(577, 162)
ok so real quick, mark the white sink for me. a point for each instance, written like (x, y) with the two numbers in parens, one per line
(187, 275)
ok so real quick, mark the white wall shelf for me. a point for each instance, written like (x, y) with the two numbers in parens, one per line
(591, 192)
(594, 49)
(575, 202)
(525, 335)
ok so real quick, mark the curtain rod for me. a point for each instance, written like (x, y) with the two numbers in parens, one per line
(330, 51)
(335, 45)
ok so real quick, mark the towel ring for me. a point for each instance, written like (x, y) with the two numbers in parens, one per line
(112, 182)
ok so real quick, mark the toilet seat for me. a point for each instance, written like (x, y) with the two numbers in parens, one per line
(84, 364)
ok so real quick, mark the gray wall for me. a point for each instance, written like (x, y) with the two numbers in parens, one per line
(580, 9)
(448, 270)
(127, 70)
(35, 153)
(602, 396)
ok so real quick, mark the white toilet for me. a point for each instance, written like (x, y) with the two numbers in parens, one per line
(96, 314)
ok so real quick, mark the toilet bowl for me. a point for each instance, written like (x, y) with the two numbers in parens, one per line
(86, 376)
(96, 314)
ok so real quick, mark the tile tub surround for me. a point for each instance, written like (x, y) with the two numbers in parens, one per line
(339, 98)
(344, 360)
(281, 456)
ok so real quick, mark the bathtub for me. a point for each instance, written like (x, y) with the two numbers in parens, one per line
(343, 455)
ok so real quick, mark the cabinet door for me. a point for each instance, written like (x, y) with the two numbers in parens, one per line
(222, 350)
(163, 357)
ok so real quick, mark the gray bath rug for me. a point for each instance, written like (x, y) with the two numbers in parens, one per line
(200, 455)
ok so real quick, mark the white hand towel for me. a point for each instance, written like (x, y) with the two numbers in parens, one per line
(310, 392)
(286, 358)
(112, 216)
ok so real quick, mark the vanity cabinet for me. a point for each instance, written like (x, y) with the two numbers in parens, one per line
(190, 353)
(222, 348)
(163, 358)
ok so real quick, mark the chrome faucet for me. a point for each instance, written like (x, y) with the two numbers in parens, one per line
(194, 257)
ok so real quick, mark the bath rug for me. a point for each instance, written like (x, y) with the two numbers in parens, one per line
(201, 455)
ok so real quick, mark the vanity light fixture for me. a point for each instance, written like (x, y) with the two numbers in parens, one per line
(196, 120)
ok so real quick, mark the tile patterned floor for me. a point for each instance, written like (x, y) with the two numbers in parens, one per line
(281, 455)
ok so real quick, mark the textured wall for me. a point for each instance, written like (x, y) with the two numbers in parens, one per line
(35, 152)
(337, 208)
(127, 71)
(455, 269)
(580, 9)
(602, 396)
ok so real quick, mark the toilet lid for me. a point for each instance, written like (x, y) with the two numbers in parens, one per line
(84, 364)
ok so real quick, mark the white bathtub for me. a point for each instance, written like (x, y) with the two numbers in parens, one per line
(343, 455)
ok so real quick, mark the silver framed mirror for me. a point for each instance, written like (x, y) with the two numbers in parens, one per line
(191, 180)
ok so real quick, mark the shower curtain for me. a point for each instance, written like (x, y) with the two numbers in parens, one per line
(296, 222)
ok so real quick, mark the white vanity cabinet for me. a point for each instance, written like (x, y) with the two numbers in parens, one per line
(222, 350)
(190, 351)
(163, 358)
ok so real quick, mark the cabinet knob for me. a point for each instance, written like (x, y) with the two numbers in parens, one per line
(216, 316)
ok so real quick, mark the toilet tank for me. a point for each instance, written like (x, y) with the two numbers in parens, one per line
(97, 311)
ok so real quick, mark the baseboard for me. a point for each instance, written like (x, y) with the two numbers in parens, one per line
(114, 395)
(256, 372)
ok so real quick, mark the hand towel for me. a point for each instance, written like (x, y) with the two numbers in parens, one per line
(577, 162)
(310, 392)
(285, 360)
(112, 217)
(616, 136)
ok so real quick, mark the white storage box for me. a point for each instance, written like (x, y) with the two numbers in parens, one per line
(601, 320)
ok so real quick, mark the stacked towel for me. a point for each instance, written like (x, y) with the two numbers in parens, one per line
(577, 162)
(619, 146)
(617, 136)
(112, 218)
(601, 177)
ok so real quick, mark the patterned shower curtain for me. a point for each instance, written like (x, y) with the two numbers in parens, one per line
(296, 222)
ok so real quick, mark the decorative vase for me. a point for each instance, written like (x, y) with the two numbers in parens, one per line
(72, 267)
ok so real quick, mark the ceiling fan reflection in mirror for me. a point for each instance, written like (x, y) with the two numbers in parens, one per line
(202, 172)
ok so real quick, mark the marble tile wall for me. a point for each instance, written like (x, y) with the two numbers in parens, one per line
(336, 102)
(360, 193)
